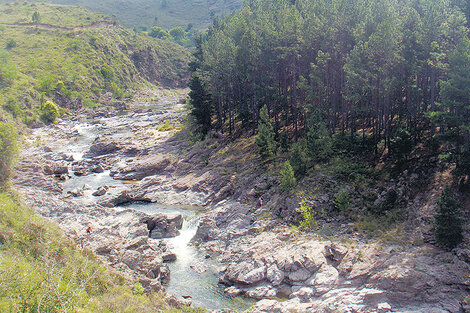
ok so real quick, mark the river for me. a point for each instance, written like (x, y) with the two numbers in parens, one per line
(201, 286)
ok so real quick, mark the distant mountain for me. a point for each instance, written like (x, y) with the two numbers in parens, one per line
(164, 13)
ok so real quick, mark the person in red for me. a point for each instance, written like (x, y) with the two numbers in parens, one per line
(88, 230)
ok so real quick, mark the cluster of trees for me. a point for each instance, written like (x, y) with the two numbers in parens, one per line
(391, 72)
(385, 75)
(176, 34)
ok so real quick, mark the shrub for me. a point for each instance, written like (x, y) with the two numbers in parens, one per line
(117, 92)
(309, 215)
(288, 180)
(299, 159)
(401, 144)
(13, 107)
(11, 43)
(158, 32)
(448, 222)
(284, 143)
(47, 84)
(8, 151)
(8, 72)
(49, 112)
(265, 138)
(107, 73)
(341, 201)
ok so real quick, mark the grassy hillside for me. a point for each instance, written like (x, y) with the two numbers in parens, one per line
(74, 57)
(165, 13)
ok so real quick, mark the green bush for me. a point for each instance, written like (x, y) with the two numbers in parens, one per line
(341, 202)
(265, 139)
(309, 215)
(448, 221)
(107, 73)
(12, 107)
(11, 43)
(49, 112)
(47, 84)
(158, 32)
(299, 159)
(8, 72)
(288, 180)
(8, 151)
(117, 92)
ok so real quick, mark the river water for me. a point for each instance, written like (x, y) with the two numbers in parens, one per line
(201, 286)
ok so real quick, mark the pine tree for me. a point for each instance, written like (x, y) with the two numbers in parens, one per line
(448, 223)
(201, 104)
(288, 180)
(299, 159)
(265, 138)
(455, 114)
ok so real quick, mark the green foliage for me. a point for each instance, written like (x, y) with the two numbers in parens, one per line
(13, 107)
(158, 32)
(46, 84)
(8, 151)
(11, 43)
(309, 215)
(8, 73)
(116, 90)
(350, 171)
(201, 104)
(107, 73)
(448, 221)
(265, 139)
(299, 159)
(49, 112)
(177, 33)
(401, 144)
(284, 142)
(139, 289)
(288, 180)
(341, 201)
(319, 143)
(36, 18)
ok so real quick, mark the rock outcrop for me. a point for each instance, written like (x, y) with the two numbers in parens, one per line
(162, 226)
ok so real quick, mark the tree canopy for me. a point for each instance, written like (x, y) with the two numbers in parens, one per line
(381, 70)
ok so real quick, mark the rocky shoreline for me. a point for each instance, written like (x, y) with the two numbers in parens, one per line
(259, 257)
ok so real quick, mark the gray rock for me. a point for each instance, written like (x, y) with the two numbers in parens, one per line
(274, 275)
(261, 292)
(299, 275)
(97, 169)
(101, 191)
(169, 257)
(304, 294)
(103, 146)
(232, 291)
(324, 279)
(162, 226)
(77, 192)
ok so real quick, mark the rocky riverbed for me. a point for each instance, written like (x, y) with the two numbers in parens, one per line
(257, 256)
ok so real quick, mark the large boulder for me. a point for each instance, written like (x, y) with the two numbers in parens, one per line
(162, 226)
(103, 146)
(141, 168)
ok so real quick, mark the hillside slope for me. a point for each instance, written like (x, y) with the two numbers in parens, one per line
(75, 57)
(165, 13)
